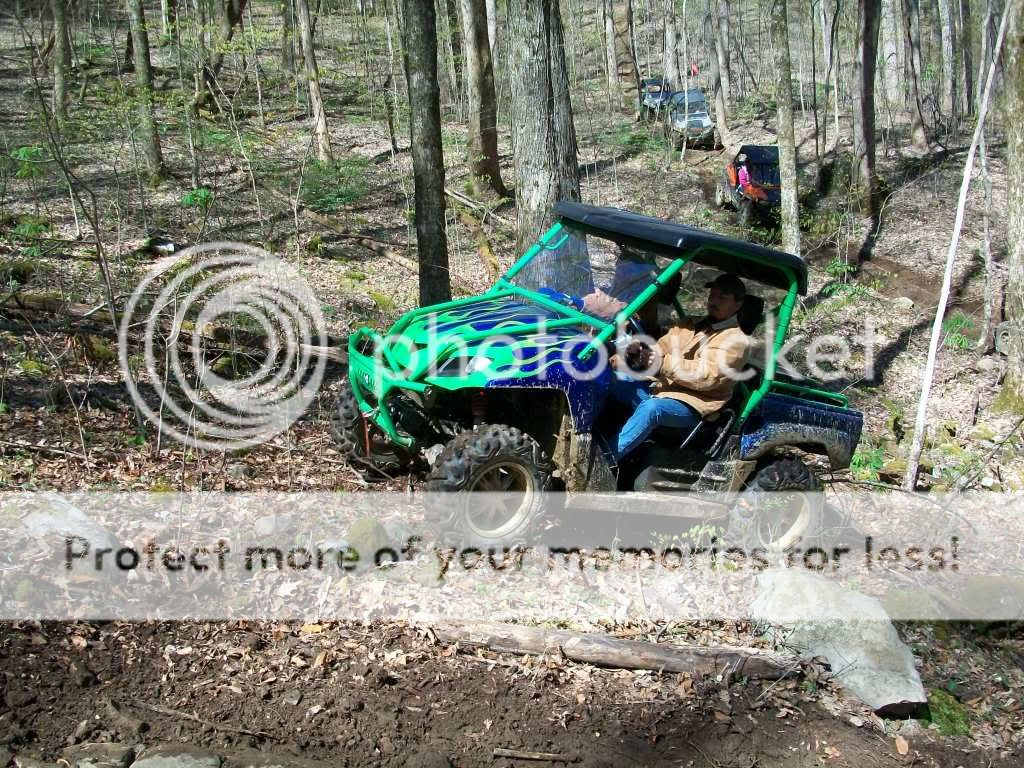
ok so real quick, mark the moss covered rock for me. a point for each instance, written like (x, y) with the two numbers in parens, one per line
(947, 714)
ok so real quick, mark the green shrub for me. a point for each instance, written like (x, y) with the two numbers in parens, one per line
(953, 327)
(327, 187)
(200, 198)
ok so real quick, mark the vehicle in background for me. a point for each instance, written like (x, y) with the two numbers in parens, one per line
(655, 93)
(689, 121)
(759, 190)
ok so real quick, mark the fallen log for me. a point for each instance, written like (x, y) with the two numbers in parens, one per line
(224, 338)
(483, 245)
(607, 651)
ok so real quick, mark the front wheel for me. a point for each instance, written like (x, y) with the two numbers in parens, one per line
(781, 508)
(359, 443)
(501, 476)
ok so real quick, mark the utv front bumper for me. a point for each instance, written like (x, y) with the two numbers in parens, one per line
(374, 377)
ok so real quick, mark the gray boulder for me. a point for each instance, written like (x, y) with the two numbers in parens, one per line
(60, 517)
(100, 755)
(817, 617)
(178, 756)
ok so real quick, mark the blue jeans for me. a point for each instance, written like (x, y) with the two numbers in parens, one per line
(650, 412)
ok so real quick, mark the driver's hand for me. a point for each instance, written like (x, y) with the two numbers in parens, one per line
(639, 356)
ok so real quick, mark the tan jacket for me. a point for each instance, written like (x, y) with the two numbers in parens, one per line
(700, 369)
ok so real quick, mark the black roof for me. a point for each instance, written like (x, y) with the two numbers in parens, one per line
(759, 153)
(674, 240)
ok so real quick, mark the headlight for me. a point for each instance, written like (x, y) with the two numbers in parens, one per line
(464, 366)
(479, 363)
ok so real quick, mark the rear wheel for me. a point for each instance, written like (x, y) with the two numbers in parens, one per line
(781, 508)
(351, 435)
(719, 196)
(497, 477)
(745, 212)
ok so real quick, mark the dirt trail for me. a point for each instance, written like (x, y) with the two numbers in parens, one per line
(384, 696)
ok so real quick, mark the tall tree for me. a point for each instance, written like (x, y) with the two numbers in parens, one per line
(61, 57)
(287, 36)
(967, 56)
(912, 40)
(868, 12)
(721, 109)
(148, 136)
(625, 55)
(321, 135)
(787, 141)
(482, 146)
(947, 28)
(419, 33)
(541, 144)
(1013, 386)
(722, 49)
(492, 25)
(670, 55)
(228, 15)
(611, 61)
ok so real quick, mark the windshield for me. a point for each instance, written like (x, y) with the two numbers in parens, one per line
(691, 101)
(591, 274)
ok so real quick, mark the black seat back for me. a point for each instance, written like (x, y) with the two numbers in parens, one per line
(751, 314)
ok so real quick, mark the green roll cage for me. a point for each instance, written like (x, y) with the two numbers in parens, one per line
(364, 371)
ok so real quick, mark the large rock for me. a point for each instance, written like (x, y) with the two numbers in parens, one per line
(61, 518)
(818, 617)
(178, 756)
(100, 755)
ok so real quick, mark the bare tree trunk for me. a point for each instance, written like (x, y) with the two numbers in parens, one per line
(912, 33)
(482, 145)
(542, 174)
(1012, 395)
(625, 55)
(967, 54)
(949, 69)
(864, 102)
(420, 39)
(612, 63)
(721, 110)
(287, 37)
(890, 52)
(917, 444)
(564, 135)
(61, 56)
(720, 29)
(492, 26)
(148, 136)
(229, 18)
(787, 141)
(321, 135)
(669, 55)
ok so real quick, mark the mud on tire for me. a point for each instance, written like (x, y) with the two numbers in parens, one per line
(347, 430)
(781, 508)
(488, 488)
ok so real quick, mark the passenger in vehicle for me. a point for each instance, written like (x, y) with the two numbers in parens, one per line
(688, 374)
(742, 173)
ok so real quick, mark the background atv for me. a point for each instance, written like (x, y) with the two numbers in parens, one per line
(763, 194)
(689, 121)
(513, 385)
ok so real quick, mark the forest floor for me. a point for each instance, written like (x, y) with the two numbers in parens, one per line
(385, 694)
